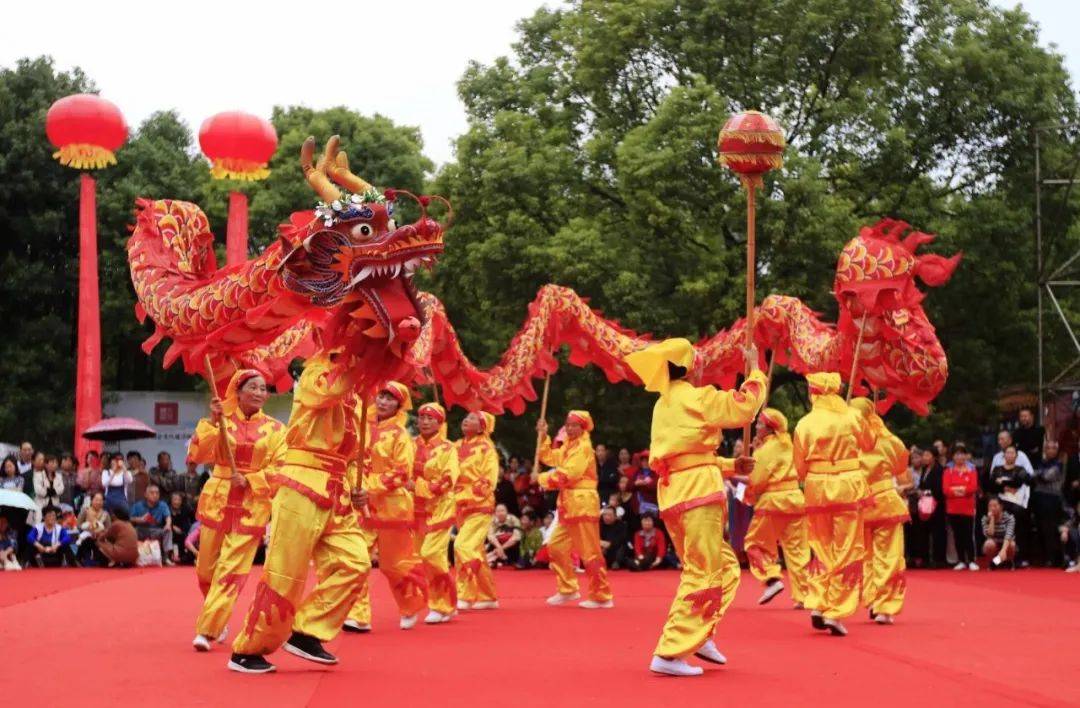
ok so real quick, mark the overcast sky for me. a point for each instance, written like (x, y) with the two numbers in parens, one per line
(202, 57)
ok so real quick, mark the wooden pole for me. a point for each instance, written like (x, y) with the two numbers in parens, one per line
(222, 434)
(434, 386)
(751, 273)
(855, 357)
(768, 378)
(543, 415)
(362, 452)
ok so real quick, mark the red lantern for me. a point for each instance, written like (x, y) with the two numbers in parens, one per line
(85, 129)
(238, 144)
(751, 144)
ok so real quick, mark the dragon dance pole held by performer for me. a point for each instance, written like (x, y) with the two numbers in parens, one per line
(387, 476)
(474, 495)
(779, 512)
(436, 473)
(687, 425)
(574, 476)
(828, 443)
(884, 467)
(313, 520)
(234, 506)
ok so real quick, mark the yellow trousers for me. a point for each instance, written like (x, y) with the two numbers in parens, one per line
(883, 570)
(789, 532)
(583, 537)
(401, 566)
(303, 532)
(710, 576)
(475, 582)
(835, 573)
(442, 593)
(222, 569)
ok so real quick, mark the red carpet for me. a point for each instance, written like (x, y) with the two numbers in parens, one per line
(101, 637)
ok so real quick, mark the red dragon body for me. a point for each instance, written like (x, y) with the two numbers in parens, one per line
(341, 277)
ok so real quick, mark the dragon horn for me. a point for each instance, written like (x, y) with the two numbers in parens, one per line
(315, 174)
(341, 174)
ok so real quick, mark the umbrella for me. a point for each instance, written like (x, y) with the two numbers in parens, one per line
(17, 500)
(114, 429)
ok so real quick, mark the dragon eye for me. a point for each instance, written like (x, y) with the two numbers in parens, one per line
(362, 232)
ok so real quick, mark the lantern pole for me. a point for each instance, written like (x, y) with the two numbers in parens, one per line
(88, 333)
(750, 183)
(236, 235)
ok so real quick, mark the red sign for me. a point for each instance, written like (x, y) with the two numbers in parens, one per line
(166, 414)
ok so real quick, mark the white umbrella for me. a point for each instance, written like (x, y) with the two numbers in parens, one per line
(17, 500)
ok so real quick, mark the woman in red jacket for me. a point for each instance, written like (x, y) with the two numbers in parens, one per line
(959, 484)
(650, 545)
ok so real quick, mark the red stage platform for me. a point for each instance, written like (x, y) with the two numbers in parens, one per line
(105, 637)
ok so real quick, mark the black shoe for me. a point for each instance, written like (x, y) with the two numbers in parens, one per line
(817, 622)
(250, 664)
(872, 615)
(310, 648)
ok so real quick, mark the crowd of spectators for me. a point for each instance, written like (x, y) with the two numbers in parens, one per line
(112, 510)
(1009, 502)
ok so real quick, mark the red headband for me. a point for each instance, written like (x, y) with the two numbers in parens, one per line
(431, 410)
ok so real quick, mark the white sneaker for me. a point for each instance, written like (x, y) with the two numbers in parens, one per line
(223, 636)
(560, 599)
(674, 667)
(973, 565)
(596, 604)
(960, 566)
(486, 605)
(201, 643)
(408, 621)
(351, 625)
(710, 653)
(771, 591)
(462, 605)
(434, 617)
(835, 628)
(1073, 569)
(883, 619)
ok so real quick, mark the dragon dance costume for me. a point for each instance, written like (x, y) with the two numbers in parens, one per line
(474, 495)
(687, 426)
(388, 524)
(574, 476)
(233, 517)
(779, 512)
(828, 443)
(883, 570)
(313, 520)
(436, 473)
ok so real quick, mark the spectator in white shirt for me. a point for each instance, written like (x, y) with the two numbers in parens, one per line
(1004, 441)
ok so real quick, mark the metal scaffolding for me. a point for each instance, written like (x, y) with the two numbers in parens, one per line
(1063, 276)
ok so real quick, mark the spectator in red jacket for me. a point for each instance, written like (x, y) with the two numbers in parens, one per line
(959, 483)
(650, 546)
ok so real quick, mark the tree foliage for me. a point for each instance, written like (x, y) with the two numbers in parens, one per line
(590, 161)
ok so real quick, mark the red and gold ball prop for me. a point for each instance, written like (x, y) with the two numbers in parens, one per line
(239, 145)
(751, 144)
(86, 130)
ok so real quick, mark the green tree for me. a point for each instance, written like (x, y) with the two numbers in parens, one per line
(590, 161)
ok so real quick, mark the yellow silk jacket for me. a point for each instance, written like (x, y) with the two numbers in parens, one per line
(478, 473)
(774, 484)
(886, 462)
(257, 444)
(436, 472)
(828, 442)
(687, 425)
(321, 439)
(388, 469)
(574, 476)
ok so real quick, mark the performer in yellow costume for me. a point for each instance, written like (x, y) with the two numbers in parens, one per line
(687, 425)
(312, 519)
(574, 476)
(388, 523)
(885, 467)
(474, 494)
(234, 506)
(828, 443)
(779, 512)
(436, 473)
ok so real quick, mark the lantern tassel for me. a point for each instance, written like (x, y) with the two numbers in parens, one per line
(733, 160)
(83, 156)
(236, 168)
(754, 136)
